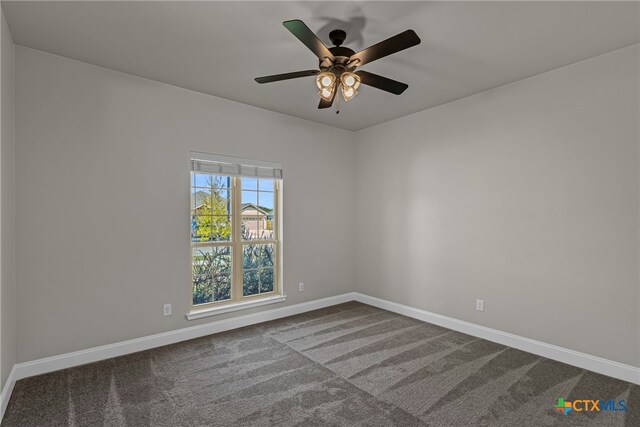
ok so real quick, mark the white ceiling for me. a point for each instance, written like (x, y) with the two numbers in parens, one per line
(219, 47)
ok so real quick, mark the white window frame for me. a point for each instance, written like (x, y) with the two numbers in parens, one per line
(237, 168)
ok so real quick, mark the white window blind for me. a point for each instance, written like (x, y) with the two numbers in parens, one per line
(234, 166)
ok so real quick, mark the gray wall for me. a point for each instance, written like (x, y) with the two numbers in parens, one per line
(7, 233)
(102, 207)
(525, 196)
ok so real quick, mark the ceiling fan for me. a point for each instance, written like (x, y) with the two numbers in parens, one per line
(337, 70)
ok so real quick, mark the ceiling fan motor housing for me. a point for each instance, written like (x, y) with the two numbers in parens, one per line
(337, 37)
(341, 53)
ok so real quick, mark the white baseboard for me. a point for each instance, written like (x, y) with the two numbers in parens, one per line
(63, 361)
(7, 390)
(68, 360)
(582, 360)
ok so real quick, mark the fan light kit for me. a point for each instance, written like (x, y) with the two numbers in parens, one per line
(326, 82)
(327, 85)
(337, 70)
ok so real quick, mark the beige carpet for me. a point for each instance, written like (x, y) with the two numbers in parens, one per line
(347, 365)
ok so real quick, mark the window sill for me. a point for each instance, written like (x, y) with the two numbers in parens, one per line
(228, 308)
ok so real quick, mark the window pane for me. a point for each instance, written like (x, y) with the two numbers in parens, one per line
(250, 283)
(219, 181)
(258, 256)
(221, 259)
(211, 228)
(249, 197)
(249, 259)
(267, 255)
(220, 228)
(265, 227)
(211, 208)
(200, 229)
(266, 201)
(266, 215)
(199, 180)
(199, 198)
(221, 287)
(249, 184)
(222, 201)
(255, 217)
(266, 280)
(201, 261)
(202, 289)
(206, 202)
(266, 185)
(211, 260)
(249, 229)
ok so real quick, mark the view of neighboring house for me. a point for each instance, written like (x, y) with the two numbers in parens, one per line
(257, 220)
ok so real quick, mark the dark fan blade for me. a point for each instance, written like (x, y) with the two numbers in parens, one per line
(287, 76)
(310, 40)
(387, 47)
(382, 83)
(326, 104)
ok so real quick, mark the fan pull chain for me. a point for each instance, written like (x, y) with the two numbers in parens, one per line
(337, 99)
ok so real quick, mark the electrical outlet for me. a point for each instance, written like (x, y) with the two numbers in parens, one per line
(166, 309)
(480, 305)
(301, 286)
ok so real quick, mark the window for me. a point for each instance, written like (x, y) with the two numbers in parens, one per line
(235, 238)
